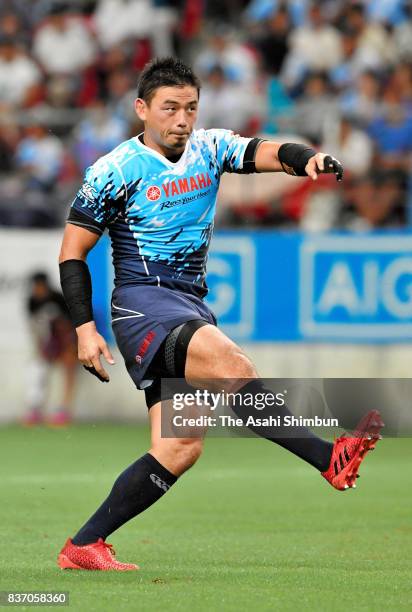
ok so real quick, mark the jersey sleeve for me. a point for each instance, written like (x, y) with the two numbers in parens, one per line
(234, 153)
(99, 200)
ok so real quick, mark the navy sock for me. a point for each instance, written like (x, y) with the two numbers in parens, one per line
(298, 440)
(137, 488)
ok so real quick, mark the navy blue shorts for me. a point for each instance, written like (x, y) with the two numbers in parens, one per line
(143, 316)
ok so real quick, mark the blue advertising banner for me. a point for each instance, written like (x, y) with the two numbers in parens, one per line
(273, 286)
(357, 287)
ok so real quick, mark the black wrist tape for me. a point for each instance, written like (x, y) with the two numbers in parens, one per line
(294, 157)
(76, 285)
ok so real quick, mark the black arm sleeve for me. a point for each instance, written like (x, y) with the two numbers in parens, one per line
(249, 156)
(76, 285)
(294, 157)
(77, 218)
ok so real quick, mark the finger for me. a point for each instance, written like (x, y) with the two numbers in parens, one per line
(107, 354)
(311, 169)
(328, 161)
(334, 165)
(93, 371)
(100, 369)
(320, 162)
(338, 169)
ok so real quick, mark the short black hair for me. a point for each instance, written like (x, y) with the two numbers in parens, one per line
(39, 277)
(165, 72)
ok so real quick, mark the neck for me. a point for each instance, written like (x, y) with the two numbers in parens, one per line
(165, 151)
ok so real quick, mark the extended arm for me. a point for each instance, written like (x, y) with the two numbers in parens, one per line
(295, 159)
(77, 290)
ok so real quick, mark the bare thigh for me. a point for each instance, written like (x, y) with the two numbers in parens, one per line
(212, 357)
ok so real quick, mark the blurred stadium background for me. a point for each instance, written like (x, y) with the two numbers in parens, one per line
(312, 279)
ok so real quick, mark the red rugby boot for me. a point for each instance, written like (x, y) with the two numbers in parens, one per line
(95, 556)
(349, 452)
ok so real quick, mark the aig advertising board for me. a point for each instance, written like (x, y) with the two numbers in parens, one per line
(357, 287)
(271, 286)
(340, 287)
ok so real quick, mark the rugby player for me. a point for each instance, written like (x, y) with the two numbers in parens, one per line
(156, 194)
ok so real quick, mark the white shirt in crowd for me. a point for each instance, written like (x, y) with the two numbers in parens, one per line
(16, 77)
(118, 20)
(227, 107)
(64, 51)
(317, 48)
(355, 151)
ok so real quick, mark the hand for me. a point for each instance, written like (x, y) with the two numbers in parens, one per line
(91, 345)
(321, 163)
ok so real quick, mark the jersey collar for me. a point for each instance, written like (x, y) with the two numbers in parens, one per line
(158, 155)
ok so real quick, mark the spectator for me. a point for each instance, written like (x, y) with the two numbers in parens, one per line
(46, 177)
(225, 104)
(21, 8)
(40, 158)
(117, 57)
(237, 60)
(273, 44)
(402, 36)
(315, 46)
(392, 133)
(315, 110)
(321, 210)
(357, 59)
(120, 20)
(58, 108)
(165, 18)
(63, 44)
(372, 38)
(54, 342)
(13, 27)
(121, 93)
(401, 82)
(97, 134)
(350, 145)
(19, 76)
(362, 101)
(374, 204)
(279, 107)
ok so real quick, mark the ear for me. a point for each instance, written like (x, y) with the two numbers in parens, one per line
(140, 107)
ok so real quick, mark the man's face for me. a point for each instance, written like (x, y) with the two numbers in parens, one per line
(169, 117)
(40, 290)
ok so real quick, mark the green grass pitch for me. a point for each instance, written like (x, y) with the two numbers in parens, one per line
(250, 527)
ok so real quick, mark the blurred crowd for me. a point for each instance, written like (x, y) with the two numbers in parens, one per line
(333, 73)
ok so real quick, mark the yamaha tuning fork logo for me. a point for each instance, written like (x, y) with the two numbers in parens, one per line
(153, 193)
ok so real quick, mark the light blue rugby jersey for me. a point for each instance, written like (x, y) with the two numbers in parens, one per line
(160, 213)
